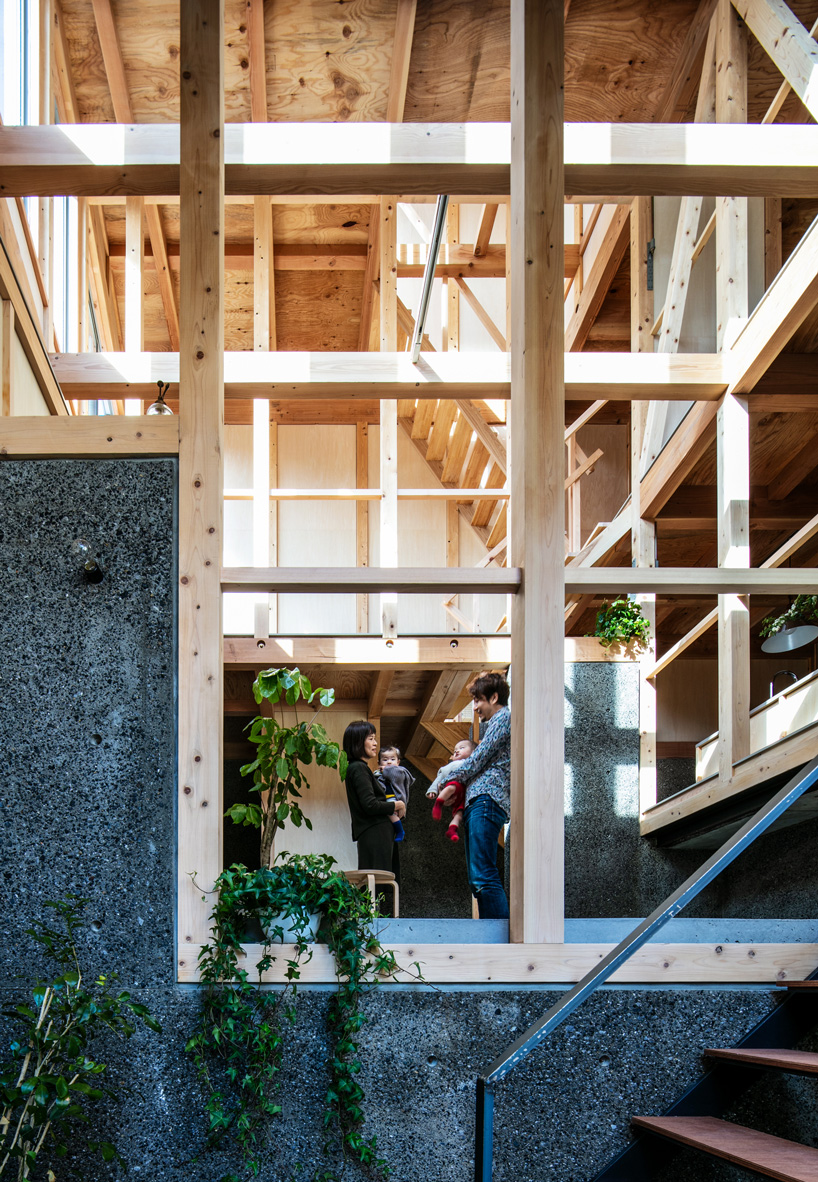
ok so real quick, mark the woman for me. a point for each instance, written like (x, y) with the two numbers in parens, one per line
(371, 813)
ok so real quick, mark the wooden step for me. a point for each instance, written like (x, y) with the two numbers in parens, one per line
(804, 1062)
(797, 984)
(772, 1156)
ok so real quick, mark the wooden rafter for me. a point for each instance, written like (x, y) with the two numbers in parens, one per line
(257, 60)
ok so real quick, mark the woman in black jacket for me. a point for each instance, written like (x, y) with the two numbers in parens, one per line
(371, 813)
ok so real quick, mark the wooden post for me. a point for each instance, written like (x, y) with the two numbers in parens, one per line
(45, 218)
(388, 441)
(201, 413)
(731, 212)
(643, 533)
(733, 500)
(773, 245)
(82, 274)
(537, 470)
(453, 557)
(362, 519)
(265, 511)
(451, 340)
(134, 266)
(6, 354)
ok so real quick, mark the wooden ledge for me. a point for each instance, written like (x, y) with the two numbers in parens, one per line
(37, 437)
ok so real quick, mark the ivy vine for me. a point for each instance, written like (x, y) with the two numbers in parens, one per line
(238, 1044)
(621, 622)
(802, 610)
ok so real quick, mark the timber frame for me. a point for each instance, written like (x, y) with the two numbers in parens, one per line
(526, 169)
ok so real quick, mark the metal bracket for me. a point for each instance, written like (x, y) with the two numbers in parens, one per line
(651, 250)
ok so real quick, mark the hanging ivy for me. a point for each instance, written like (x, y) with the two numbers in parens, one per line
(802, 610)
(238, 1044)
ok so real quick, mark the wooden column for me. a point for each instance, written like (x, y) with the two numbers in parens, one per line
(201, 407)
(265, 433)
(388, 441)
(733, 493)
(362, 520)
(731, 212)
(643, 533)
(6, 354)
(82, 274)
(537, 470)
(451, 339)
(45, 218)
(134, 267)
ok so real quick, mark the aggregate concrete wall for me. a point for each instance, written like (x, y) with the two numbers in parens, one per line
(87, 731)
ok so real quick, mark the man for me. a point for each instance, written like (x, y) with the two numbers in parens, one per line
(487, 776)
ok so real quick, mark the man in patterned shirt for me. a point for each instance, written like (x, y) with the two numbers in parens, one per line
(487, 776)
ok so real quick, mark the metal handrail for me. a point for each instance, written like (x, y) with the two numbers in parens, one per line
(428, 276)
(795, 787)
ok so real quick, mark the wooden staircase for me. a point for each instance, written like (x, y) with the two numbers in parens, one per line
(765, 1155)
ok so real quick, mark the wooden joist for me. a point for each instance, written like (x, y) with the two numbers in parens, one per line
(370, 652)
(88, 436)
(691, 580)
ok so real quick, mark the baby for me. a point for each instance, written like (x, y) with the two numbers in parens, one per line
(447, 775)
(396, 781)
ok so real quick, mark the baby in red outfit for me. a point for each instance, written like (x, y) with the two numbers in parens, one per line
(447, 775)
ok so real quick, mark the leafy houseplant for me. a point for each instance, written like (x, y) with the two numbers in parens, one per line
(802, 610)
(237, 1046)
(277, 776)
(621, 622)
(51, 1079)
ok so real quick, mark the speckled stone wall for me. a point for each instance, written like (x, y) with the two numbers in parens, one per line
(87, 732)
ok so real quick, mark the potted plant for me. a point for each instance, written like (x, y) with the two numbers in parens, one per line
(238, 1042)
(620, 622)
(802, 611)
(282, 751)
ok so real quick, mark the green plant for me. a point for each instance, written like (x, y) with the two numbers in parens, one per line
(277, 777)
(52, 1079)
(621, 621)
(237, 1047)
(802, 610)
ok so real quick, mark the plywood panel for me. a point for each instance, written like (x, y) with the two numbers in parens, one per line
(318, 310)
(687, 701)
(26, 396)
(316, 533)
(603, 491)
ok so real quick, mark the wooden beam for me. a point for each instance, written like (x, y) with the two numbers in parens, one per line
(689, 442)
(349, 376)
(779, 31)
(370, 652)
(732, 261)
(412, 160)
(112, 58)
(201, 416)
(537, 467)
(783, 307)
(26, 437)
(373, 580)
(481, 313)
(378, 692)
(487, 220)
(156, 233)
(28, 333)
(257, 60)
(587, 465)
(595, 288)
(686, 73)
(401, 56)
(688, 580)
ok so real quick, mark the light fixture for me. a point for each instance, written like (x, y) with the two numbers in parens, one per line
(160, 407)
(91, 569)
(790, 638)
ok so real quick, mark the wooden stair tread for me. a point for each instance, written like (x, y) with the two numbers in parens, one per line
(772, 1156)
(797, 984)
(786, 1060)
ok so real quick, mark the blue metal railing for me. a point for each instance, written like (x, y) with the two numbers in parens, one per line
(801, 782)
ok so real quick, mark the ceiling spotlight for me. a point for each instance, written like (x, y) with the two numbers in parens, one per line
(160, 407)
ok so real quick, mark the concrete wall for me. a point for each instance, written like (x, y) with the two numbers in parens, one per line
(87, 724)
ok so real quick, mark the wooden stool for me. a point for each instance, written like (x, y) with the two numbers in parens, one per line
(372, 878)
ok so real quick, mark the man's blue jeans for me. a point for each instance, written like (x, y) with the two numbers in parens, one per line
(482, 823)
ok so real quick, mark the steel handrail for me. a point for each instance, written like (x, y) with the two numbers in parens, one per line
(795, 787)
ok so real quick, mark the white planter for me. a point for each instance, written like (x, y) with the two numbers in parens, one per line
(289, 935)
